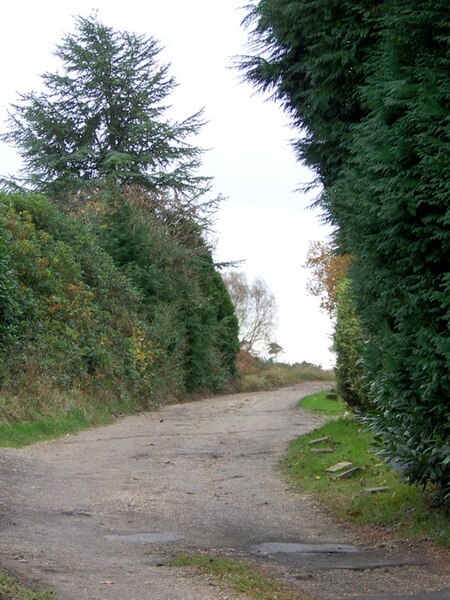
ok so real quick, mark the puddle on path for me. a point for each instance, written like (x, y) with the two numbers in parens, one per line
(300, 548)
(144, 538)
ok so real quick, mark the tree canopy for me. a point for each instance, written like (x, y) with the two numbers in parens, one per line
(103, 116)
(256, 311)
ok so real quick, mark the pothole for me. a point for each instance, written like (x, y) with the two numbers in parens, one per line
(144, 538)
(301, 548)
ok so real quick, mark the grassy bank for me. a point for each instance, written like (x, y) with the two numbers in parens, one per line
(322, 404)
(56, 413)
(45, 412)
(402, 508)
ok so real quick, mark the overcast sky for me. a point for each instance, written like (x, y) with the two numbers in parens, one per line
(263, 221)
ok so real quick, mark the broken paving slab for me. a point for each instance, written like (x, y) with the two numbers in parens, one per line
(339, 467)
(302, 548)
(348, 473)
(376, 490)
(144, 538)
(438, 595)
(325, 438)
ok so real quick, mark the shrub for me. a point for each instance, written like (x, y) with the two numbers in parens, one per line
(348, 344)
(69, 315)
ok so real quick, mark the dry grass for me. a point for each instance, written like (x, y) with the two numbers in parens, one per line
(268, 376)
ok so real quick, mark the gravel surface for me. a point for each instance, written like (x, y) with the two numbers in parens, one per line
(98, 515)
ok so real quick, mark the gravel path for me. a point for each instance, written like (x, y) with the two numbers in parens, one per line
(97, 515)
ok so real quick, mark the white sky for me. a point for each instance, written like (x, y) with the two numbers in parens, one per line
(263, 221)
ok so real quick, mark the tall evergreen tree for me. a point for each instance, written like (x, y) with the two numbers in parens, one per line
(103, 116)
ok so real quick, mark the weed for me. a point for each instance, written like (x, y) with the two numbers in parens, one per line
(239, 575)
(10, 589)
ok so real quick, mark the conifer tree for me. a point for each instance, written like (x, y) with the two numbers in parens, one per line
(103, 117)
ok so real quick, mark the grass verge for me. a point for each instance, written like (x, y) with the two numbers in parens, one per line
(10, 589)
(403, 508)
(16, 435)
(319, 403)
(34, 418)
(239, 576)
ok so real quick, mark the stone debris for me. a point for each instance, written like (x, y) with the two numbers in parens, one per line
(347, 473)
(327, 449)
(376, 490)
(339, 467)
(319, 440)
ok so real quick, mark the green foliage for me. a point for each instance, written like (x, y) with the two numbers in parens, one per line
(348, 344)
(76, 319)
(400, 236)
(102, 117)
(369, 82)
(162, 252)
(156, 323)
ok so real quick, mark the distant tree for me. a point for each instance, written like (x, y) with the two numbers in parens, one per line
(255, 308)
(274, 350)
(329, 281)
(102, 117)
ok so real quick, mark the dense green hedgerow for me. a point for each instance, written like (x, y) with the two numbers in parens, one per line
(68, 315)
(368, 83)
(143, 326)
(163, 253)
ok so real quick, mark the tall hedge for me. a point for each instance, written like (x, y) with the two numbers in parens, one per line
(398, 226)
(164, 255)
(68, 316)
(143, 318)
(368, 83)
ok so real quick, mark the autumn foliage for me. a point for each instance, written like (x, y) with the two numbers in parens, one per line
(328, 270)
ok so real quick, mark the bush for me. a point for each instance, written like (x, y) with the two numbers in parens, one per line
(348, 344)
(163, 253)
(69, 315)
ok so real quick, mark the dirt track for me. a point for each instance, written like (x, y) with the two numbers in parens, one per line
(95, 515)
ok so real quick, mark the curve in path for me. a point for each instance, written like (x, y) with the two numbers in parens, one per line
(94, 515)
